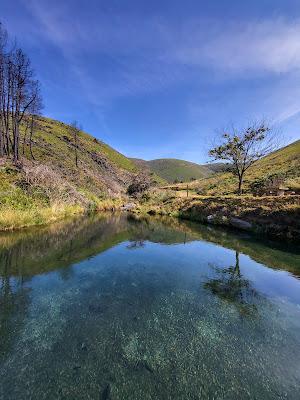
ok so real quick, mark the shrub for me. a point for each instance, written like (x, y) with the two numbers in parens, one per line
(140, 184)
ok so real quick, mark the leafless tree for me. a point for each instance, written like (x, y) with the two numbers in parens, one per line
(34, 110)
(75, 128)
(19, 95)
(245, 147)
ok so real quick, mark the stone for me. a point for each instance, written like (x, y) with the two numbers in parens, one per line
(240, 224)
(128, 206)
(210, 219)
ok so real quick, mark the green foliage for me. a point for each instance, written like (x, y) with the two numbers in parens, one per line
(243, 149)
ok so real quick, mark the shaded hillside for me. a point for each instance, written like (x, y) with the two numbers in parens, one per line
(281, 167)
(145, 166)
(173, 170)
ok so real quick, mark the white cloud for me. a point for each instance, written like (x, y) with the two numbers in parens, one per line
(151, 54)
(246, 46)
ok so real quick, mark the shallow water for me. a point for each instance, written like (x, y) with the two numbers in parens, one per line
(111, 307)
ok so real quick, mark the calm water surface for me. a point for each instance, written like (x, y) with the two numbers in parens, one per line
(111, 307)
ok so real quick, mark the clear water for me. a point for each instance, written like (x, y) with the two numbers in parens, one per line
(111, 307)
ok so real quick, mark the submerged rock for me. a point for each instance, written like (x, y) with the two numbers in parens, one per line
(240, 223)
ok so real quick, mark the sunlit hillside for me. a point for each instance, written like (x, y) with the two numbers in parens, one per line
(283, 165)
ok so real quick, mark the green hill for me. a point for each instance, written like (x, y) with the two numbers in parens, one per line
(281, 167)
(173, 170)
(146, 167)
(50, 184)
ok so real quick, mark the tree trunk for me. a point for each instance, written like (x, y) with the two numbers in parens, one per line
(30, 138)
(240, 190)
(16, 144)
(1, 144)
(25, 137)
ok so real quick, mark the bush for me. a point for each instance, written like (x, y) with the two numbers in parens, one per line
(267, 185)
(140, 184)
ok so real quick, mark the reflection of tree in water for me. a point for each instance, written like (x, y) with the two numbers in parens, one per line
(230, 285)
(14, 301)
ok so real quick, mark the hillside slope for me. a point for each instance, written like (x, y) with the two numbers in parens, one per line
(282, 165)
(145, 167)
(51, 181)
(171, 169)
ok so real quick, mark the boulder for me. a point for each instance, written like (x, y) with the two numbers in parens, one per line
(210, 219)
(128, 206)
(240, 224)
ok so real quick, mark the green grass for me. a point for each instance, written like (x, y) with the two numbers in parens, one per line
(285, 162)
(102, 171)
(50, 186)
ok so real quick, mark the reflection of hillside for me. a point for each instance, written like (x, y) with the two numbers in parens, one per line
(43, 249)
(272, 254)
(40, 250)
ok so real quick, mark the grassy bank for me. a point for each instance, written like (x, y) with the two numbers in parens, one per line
(11, 219)
(277, 217)
(14, 218)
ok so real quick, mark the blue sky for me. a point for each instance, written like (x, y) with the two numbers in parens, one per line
(156, 78)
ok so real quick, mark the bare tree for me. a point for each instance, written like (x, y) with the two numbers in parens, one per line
(3, 43)
(34, 110)
(19, 91)
(75, 128)
(244, 148)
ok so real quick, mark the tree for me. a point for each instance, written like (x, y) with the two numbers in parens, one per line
(19, 91)
(75, 131)
(34, 111)
(243, 149)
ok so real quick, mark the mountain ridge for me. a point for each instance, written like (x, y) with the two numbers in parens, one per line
(177, 170)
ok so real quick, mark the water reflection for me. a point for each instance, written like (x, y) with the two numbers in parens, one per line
(14, 302)
(230, 285)
(38, 250)
(85, 316)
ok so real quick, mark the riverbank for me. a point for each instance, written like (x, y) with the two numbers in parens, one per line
(275, 217)
(272, 216)
(18, 218)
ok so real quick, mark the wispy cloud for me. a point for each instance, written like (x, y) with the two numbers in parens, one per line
(243, 47)
(114, 53)
(153, 52)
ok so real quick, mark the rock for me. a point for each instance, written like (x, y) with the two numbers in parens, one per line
(128, 206)
(210, 219)
(240, 224)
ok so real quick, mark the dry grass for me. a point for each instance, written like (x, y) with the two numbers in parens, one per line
(274, 216)
(50, 183)
(15, 219)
